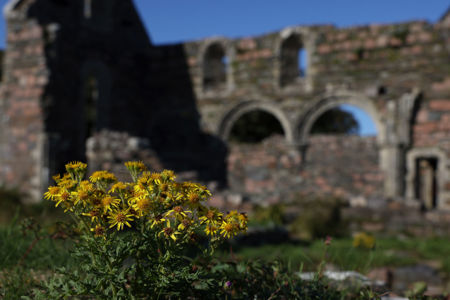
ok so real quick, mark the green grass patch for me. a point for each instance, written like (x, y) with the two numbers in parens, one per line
(391, 252)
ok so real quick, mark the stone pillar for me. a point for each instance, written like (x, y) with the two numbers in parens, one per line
(392, 164)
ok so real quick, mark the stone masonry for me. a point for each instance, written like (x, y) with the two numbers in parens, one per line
(74, 68)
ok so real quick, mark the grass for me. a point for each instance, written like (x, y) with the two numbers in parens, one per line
(391, 252)
(24, 267)
(44, 251)
(30, 250)
(30, 253)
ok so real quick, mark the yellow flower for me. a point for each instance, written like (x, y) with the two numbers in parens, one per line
(168, 175)
(80, 195)
(103, 176)
(142, 206)
(120, 218)
(52, 193)
(94, 214)
(185, 224)
(193, 198)
(212, 216)
(119, 187)
(211, 229)
(201, 189)
(95, 199)
(108, 202)
(228, 229)
(99, 231)
(155, 178)
(177, 212)
(67, 182)
(169, 232)
(64, 196)
(76, 166)
(363, 240)
(157, 221)
(243, 220)
(135, 168)
(76, 169)
(135, 165)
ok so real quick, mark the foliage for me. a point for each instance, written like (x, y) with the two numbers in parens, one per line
(255, 126)
(363, 240)
(257, 280)
(272, 214)
(31, 246)
(320, 217)
(137, 238)
(340, 254)
(27, 251)
(17, 282)
(335, 121)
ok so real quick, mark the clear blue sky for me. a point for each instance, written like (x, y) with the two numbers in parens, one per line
(170, 21)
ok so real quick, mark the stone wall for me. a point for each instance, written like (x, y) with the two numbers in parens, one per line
(340, 166)
(185, 97)
(22, 138)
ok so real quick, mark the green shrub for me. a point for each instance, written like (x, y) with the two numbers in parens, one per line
(269, 215)
(318, 218)
(138, 238)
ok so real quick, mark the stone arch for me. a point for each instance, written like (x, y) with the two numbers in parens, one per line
(312, 112)
(101, 73)
(239, 110)
(223, 45)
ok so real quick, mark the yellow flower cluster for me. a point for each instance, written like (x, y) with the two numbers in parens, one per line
(363, 240)
(152, 201)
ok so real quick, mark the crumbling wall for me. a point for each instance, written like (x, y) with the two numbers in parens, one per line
(170, 95)
(340, 166)
(25, 75)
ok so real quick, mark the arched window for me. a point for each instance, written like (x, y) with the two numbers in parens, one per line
(214, 67)
(255, 126)
(292, 60)
(344, 119)
(91, 99)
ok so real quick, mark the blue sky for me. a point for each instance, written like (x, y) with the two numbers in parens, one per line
(170, 21)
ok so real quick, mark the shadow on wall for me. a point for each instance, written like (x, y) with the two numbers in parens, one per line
(149, 90)
(173, 119)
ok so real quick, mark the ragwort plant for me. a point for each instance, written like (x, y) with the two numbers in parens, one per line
(138, 239)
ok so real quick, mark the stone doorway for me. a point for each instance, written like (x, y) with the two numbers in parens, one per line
(426, 182)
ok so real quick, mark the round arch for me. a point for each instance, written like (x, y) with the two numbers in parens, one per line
(313, 111)
(232, 115)
(227, 48)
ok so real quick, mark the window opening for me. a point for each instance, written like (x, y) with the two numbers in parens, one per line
(293, 60)
(302, 62)
(255, 126)
(345, 119)
(90, 106)
(87, 9)
(214, 67)
(426, 182)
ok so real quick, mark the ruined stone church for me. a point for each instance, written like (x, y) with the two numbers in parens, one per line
(81, 80)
